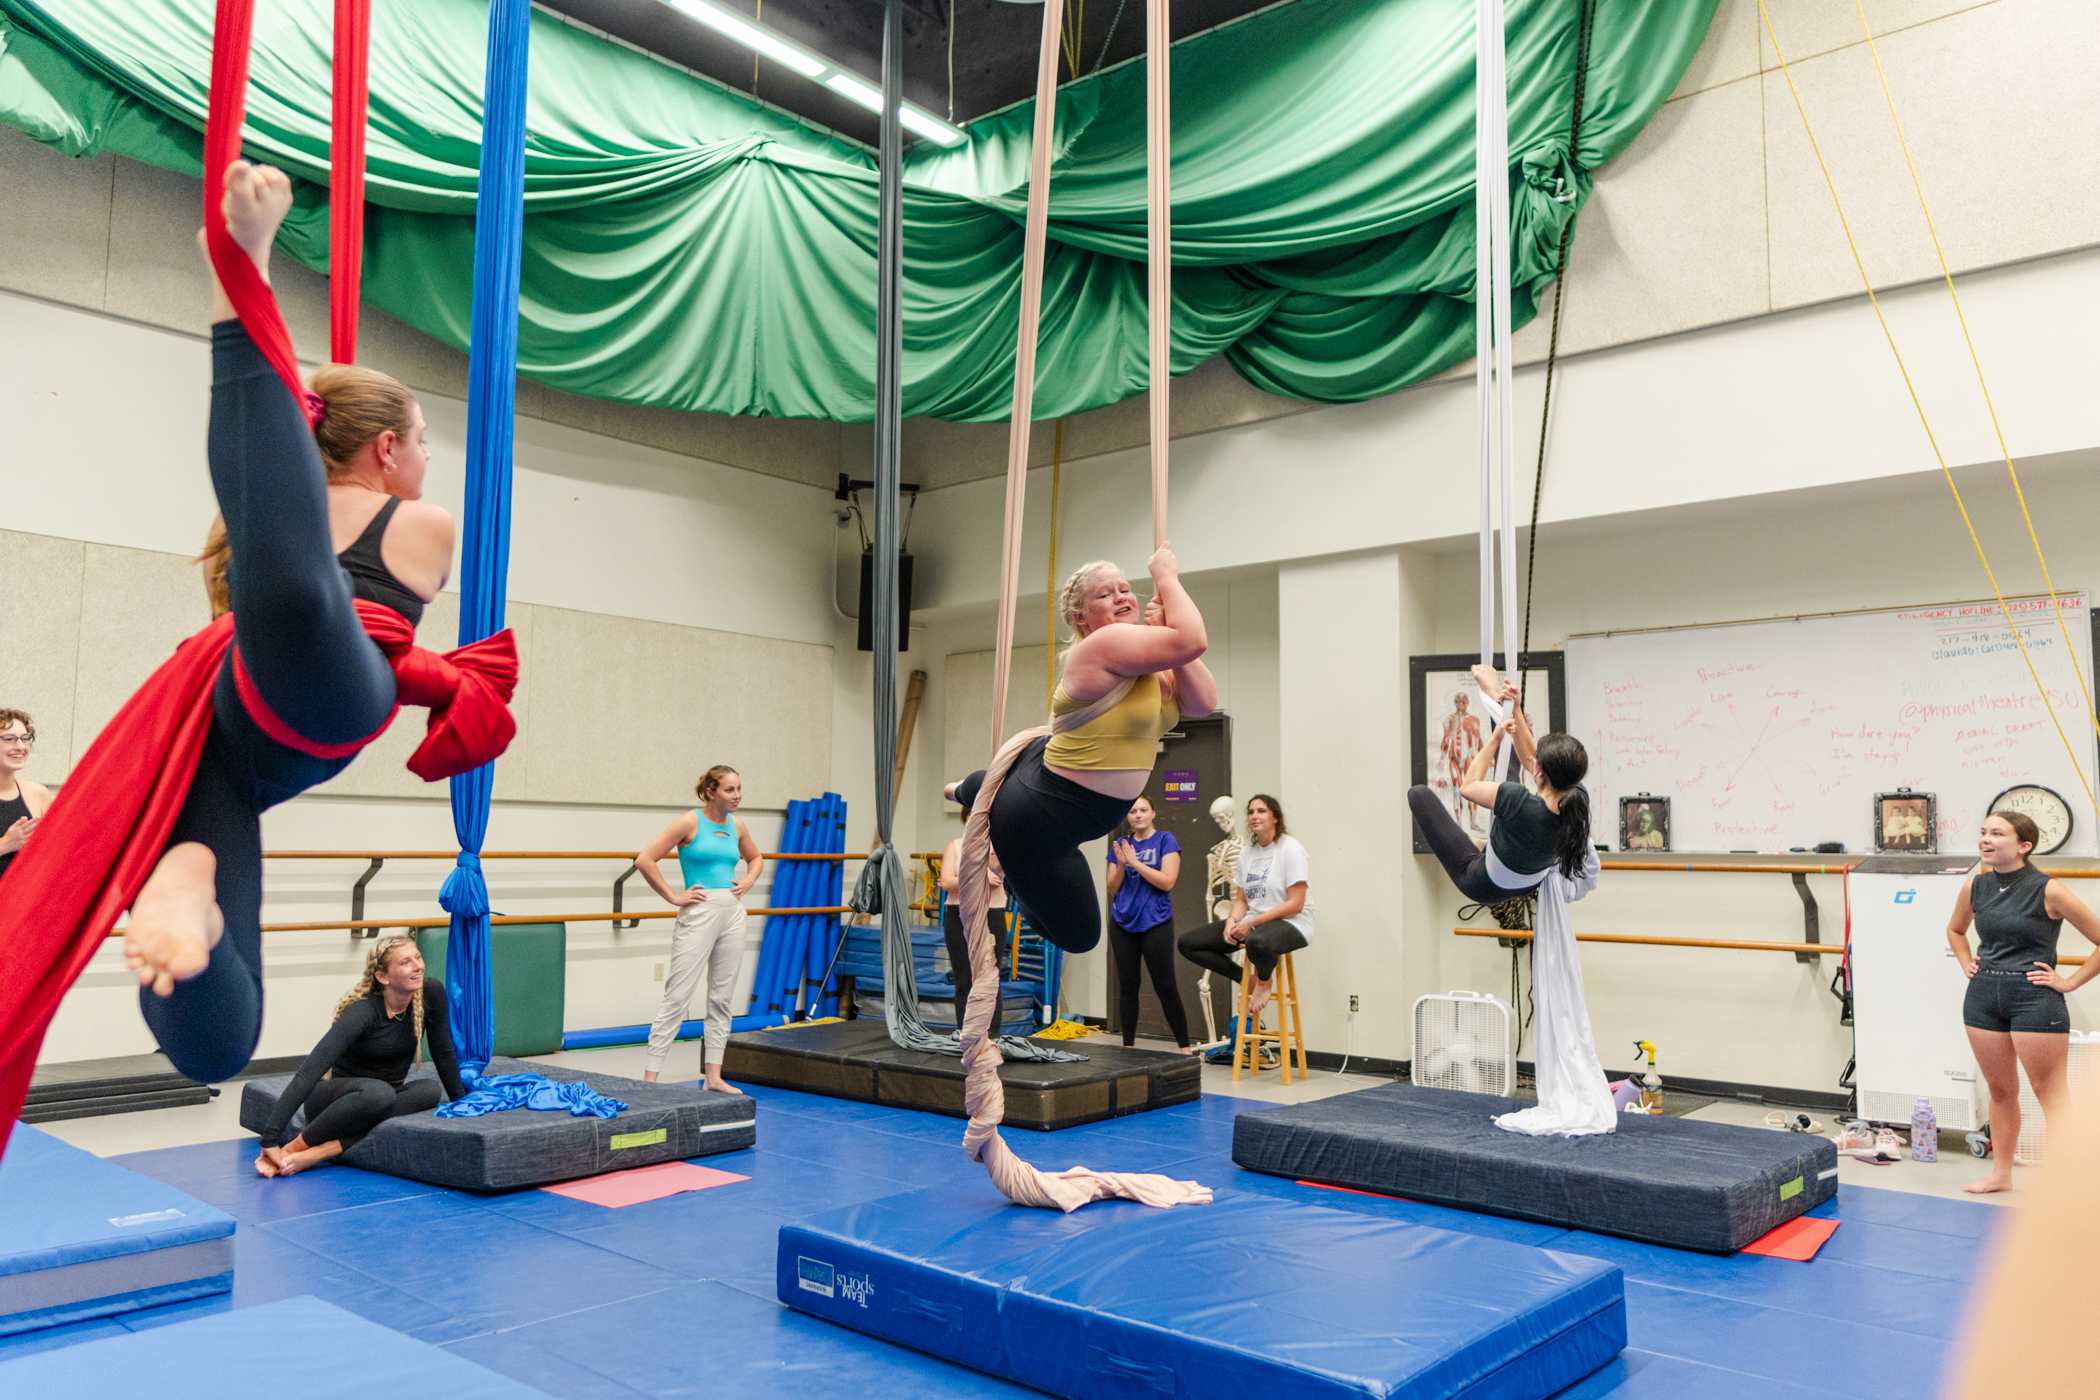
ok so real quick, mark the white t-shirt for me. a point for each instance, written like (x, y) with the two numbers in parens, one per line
(1267, 874)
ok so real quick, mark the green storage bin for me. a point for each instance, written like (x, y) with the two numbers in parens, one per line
(531, 976)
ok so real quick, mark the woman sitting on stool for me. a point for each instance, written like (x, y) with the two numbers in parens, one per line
(1271, 905)
(356, 1078)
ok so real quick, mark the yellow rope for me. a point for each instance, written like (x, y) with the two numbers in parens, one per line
(1990, 406)
(1925, 422)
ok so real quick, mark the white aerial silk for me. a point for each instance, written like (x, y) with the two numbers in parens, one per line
(1574, 1097)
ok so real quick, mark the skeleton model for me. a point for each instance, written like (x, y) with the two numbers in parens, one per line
(1458, 743)
(1222, 867)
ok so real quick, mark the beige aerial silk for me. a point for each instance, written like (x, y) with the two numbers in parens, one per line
(983, 1096)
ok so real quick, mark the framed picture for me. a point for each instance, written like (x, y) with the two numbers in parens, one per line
(1905, 822)
(1644, 823)
(1450, 725)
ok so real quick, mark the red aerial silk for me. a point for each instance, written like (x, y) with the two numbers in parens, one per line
(107, 830)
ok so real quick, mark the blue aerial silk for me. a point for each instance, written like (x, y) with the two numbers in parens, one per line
(497, 1092)
(492, 369)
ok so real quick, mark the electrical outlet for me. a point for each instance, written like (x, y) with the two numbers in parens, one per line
(660, 973)
(1354, 1007)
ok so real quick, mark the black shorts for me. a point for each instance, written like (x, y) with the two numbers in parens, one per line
(2002, 999)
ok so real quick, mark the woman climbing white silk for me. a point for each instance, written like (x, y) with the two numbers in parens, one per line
(1574, 1097)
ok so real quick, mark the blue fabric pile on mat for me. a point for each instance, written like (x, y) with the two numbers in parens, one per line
(496, 1093)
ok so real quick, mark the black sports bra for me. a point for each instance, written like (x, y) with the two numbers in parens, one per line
(370, 578)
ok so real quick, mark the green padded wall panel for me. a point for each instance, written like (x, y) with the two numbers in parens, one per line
(531, 972)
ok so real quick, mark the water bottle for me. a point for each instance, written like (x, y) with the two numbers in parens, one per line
(1924, 1132)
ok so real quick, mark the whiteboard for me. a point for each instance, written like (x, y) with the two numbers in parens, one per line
(1772, 735)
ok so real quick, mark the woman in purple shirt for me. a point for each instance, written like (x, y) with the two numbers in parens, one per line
(1143, 865)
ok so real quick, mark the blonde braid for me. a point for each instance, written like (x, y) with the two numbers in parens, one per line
(375, 961)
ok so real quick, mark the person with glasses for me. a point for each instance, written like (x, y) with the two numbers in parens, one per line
(21, 808)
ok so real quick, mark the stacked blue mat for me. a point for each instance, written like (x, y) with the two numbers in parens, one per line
(1252, 1295)
(83, 1238)
(299, 1346)
(795, 975)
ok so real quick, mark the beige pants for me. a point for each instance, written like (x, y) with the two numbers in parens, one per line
(707, 939)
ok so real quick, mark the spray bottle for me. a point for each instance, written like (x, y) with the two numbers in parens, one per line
(1651, 1082)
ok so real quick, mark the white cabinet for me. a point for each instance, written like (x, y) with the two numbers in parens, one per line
(1907, 992)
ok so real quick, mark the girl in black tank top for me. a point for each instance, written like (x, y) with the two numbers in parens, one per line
(370, 578)
(2014, 1005)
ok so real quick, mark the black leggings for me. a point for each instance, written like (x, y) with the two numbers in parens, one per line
(1039, 822)
(1154, 947)
(1206, 947)
(959, 948)
(344, 1110)
(308, 655)
(1463, 861)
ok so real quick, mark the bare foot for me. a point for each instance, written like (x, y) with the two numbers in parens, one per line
(1258, 997)
(1186, 1050)
(648, 1076)
(269, 1162)
(948, 792)
(1996, 1181)
(175, 921)
(1489, 682)
(295, 1162)
(718, 1085)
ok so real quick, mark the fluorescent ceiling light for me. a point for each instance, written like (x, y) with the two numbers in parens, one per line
(850, 86)
(855, 90)
(752, 36)
(931, 127)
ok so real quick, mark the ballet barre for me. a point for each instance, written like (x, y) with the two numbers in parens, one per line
(1659, 940)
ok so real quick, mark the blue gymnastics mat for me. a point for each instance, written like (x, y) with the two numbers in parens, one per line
(1249, 1296)
(300, 1346)
(82, 1238)
(1670, 1181)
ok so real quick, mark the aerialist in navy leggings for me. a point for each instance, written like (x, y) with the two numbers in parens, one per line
(306, 654)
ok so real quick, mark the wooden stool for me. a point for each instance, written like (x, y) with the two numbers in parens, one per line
(1290, 1026)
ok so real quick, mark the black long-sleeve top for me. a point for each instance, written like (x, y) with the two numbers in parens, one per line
(366, 1043)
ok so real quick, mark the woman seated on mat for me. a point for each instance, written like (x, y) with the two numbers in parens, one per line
(1131, 675)
(20, 808)
(356, 1078)
(1143, 866)
(2014, 1008)
(708, 937)
(1271, 905)
(1532, 833)
(951, 919)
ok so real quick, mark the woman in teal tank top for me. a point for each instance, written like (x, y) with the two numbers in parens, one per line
(707, 938)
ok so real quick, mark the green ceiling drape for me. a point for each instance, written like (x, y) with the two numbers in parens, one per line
(690, 248)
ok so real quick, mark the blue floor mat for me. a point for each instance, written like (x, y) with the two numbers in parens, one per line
(563, 1275)
(301, 1345)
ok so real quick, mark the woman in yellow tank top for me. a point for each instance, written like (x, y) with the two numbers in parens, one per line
(1133, 672)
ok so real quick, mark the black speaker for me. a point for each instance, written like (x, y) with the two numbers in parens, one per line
(867, 595)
